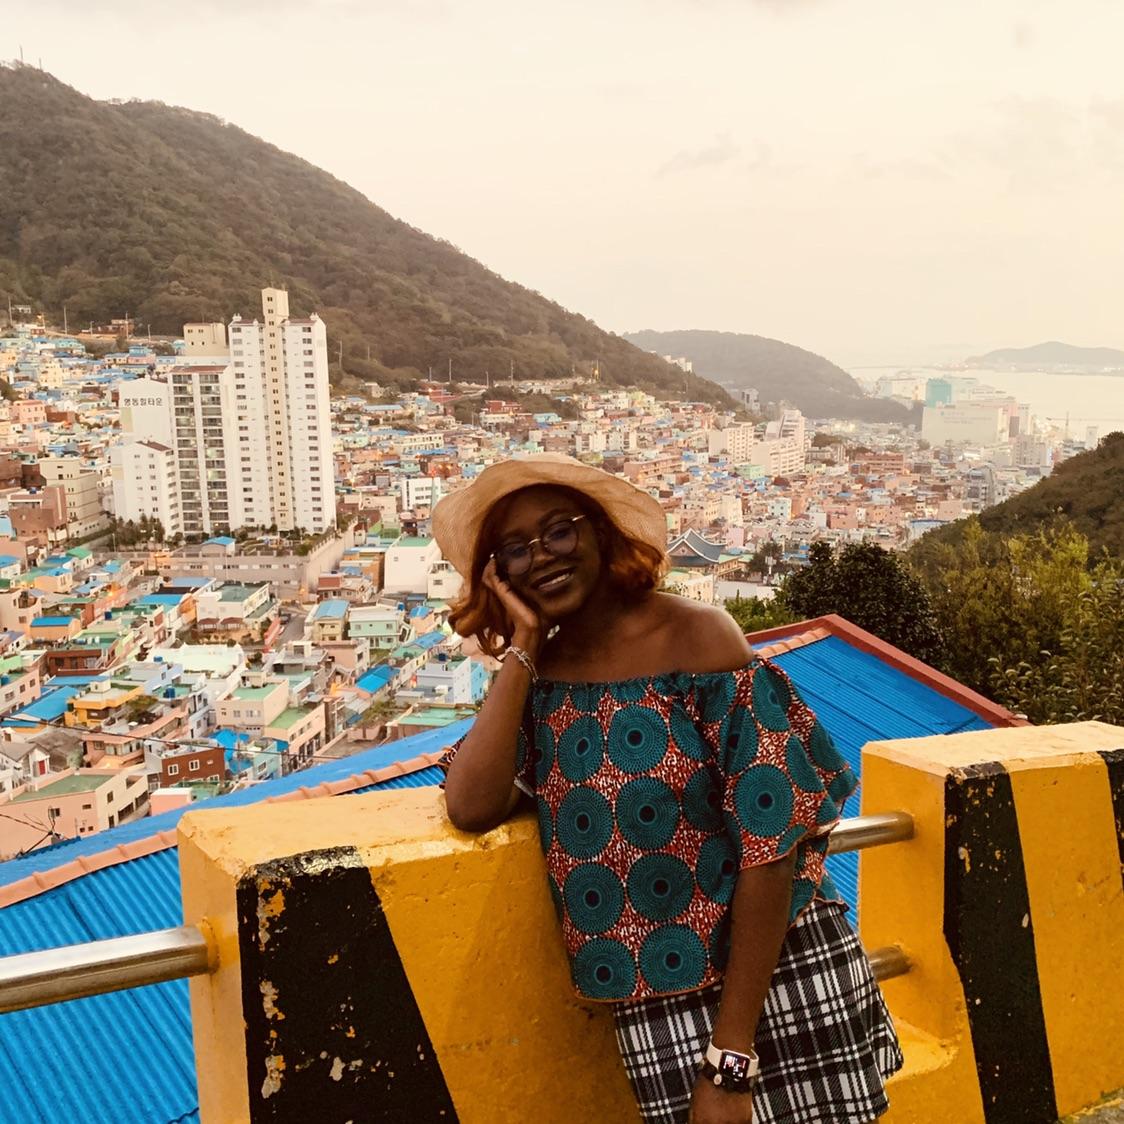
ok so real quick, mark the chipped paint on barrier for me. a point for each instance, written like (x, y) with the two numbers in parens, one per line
(318, 954)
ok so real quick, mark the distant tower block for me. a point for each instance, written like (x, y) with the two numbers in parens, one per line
(207, 339)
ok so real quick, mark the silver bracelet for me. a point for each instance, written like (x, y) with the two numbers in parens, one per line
(525, 659)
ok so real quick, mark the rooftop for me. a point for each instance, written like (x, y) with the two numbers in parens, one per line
(66, 786)
(290, 717)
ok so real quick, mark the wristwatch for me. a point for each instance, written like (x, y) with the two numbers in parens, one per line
(731, 1070)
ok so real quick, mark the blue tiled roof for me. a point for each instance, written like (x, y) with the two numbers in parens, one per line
(861, 698)
(150, 1022)
(375, 679)
(429, 640)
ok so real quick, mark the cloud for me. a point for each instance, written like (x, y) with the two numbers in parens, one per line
(722, 151)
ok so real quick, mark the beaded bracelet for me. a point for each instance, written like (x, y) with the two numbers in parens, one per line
(525, 660)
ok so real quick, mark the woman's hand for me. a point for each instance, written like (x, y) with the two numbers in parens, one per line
(527, 627)
(711, 1105)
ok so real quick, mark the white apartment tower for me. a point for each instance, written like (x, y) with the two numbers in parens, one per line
(248, 426)
(284, 434)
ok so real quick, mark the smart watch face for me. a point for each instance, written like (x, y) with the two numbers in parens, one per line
(736, 1066)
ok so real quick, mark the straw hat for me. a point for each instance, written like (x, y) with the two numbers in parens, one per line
(458, 518)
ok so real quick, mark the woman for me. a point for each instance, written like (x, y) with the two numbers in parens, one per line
(684, 794)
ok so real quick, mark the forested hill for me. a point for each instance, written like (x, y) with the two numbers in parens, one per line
(1088, 489)
(779, 372)
(175, 216)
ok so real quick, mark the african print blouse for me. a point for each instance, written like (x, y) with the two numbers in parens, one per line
(652, 794)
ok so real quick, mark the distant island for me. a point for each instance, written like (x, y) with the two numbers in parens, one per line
(1054, 358)
(778, 371)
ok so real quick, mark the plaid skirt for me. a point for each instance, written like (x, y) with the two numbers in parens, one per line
(825, 1039)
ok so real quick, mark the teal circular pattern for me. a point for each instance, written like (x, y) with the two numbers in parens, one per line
(790, 838)
(546, 826)
(584, 823)
(828, 812)
(594, 898)
(842, 786)
(673, 958)
(770, 699)
(555, 896)
(637, 739)
(553, 696)
(824, 752)
(660, 886)
(800, 769)
(718, 945)
(604, 969)
(827, 886)
(581, 749)
(629, 690)
(716, 696)
(717, 870)
(543, 754)
(741, 742)
(803, 891)
(685, 733)
(702, 801)
(520, 750)
(647, 813)
(763, 800)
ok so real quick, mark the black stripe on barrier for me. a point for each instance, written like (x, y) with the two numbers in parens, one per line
(990, 935)
(333, 1031)
(1114, 762)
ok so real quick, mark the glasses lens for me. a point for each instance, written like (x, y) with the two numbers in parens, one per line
(515, 559)
(561, 538)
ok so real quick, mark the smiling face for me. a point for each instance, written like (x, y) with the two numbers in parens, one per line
(554, 586)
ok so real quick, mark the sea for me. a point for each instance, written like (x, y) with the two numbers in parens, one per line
(1087, 400)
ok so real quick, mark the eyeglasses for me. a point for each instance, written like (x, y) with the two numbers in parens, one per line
(558, 540)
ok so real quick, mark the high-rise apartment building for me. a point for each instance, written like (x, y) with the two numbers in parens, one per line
(281, 376)
(249, 425)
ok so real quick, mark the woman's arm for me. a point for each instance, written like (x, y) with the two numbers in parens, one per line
(480, 786)
(762, 900)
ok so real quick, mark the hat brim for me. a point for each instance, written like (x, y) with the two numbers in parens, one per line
(459, 517)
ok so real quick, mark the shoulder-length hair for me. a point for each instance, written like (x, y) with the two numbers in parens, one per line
(634, 568)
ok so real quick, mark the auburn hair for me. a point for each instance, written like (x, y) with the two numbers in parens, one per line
(631, 566)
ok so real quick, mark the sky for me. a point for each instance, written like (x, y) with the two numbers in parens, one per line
(880, 181)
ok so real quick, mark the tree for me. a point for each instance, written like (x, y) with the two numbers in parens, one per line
(1002, 597)
(871, 588)
(754, 614)
(1030, 621)
(1083, 677)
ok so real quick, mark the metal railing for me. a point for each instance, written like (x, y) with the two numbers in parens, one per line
(36, 979)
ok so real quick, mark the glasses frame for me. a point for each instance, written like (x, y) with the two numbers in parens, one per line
(530, 545)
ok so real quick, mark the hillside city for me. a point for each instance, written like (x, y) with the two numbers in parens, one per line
(213, 572)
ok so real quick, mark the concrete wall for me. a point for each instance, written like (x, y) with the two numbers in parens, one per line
(375, 964)
(1009, 903)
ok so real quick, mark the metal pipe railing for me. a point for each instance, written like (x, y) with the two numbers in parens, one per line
(35, 979)
(888, 962)
(870, 831)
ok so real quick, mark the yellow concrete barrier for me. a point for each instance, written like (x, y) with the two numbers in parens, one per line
(377, 965)
(1009, 902)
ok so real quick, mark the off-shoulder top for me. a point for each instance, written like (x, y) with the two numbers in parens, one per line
(652, 794)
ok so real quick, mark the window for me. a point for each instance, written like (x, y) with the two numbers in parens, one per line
(173, 770)
(193, 766)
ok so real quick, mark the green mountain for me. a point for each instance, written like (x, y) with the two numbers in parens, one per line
(1052, 355)
(175, 216)
(778, 371)
(1087, 489)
